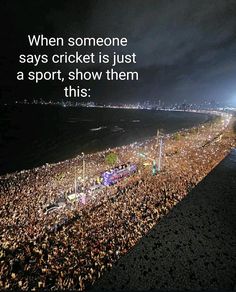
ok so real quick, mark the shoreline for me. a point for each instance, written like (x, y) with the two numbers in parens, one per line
(64, 180)
(211, 115)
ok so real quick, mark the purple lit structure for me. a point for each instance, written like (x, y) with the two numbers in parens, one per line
(113, 176)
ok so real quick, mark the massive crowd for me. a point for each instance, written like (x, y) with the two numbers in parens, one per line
(71, 247)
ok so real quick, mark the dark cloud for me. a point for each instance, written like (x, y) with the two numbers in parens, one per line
(186, 49)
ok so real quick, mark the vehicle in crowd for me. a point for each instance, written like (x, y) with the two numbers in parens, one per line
(114, 175)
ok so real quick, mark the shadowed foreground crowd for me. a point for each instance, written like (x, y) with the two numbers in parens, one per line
(71, 247)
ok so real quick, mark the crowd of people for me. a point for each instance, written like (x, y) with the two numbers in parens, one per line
(72, 247)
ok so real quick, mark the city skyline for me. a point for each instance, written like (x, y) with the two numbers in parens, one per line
(185, 49)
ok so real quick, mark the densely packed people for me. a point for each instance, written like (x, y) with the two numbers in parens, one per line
(72, 246)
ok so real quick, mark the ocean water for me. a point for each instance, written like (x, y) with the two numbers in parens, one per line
(32, 135)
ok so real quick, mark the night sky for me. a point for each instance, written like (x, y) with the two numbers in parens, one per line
(186, 49)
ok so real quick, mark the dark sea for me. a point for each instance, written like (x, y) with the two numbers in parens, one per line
(32, 135)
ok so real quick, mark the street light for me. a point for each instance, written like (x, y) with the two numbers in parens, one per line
(83, 199)
(83, 166)
(159, 140)
(160, 155)
(75, 181)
